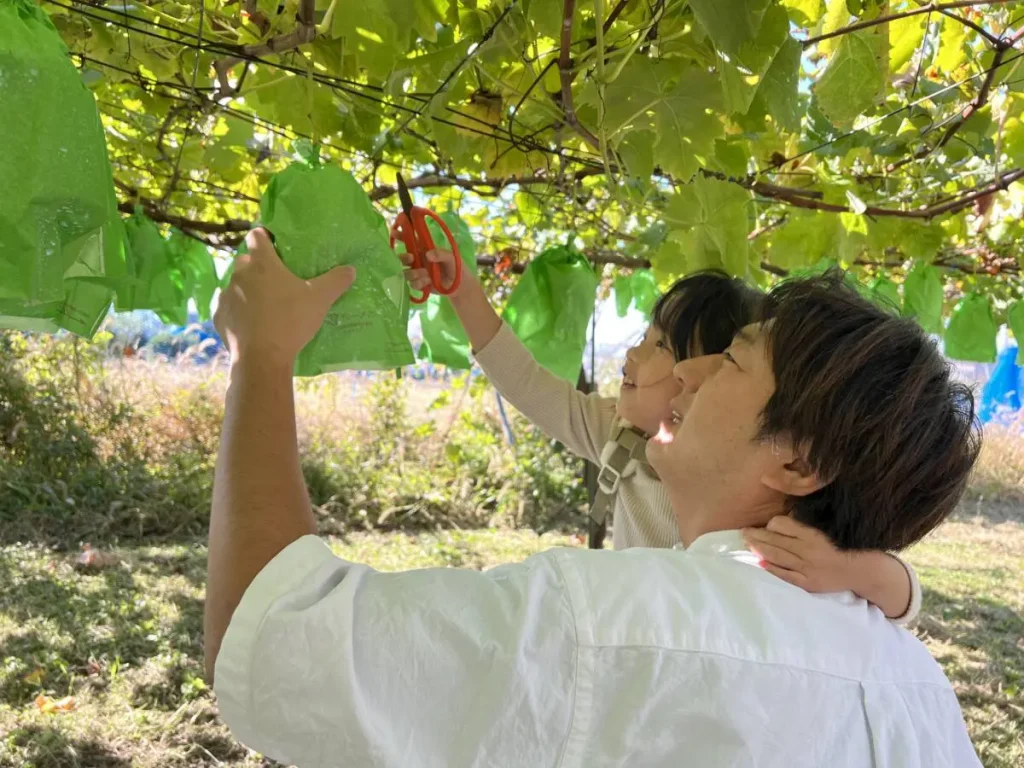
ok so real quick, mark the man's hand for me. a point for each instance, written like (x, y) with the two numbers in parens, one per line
(268, 313)
(419, 279)
(801, 555)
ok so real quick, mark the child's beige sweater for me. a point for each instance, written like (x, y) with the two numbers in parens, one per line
(642, 515)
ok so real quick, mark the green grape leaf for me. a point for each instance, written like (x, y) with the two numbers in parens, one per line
(370, 34)
(805, 12)
(529, 208)
(1015, 319)
(732, 157)
(623, 295)
(546, 16)
(805, 238)
(1013, 139)
(836, 17)
(637, 152)
(730, 24)
(741, 76)
(669, 261)
(952, 51)
(425, 16)
(922, 297)
(971, 333)
(295, 100)
(718, 214)
(853, 80)
(885, 293)
(779, 86)
(757, 54)
(920, 240)
(905, 36)
(683, 102)
(917, 240)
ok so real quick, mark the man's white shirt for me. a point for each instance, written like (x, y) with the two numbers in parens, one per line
(577, 658)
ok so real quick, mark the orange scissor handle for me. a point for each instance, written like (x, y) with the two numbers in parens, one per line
(415, 235)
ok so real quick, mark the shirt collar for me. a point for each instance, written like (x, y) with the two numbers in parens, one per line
(724, 543)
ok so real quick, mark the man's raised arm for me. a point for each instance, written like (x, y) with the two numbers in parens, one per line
(260, 504)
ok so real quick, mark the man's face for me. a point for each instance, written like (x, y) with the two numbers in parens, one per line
(711, 449)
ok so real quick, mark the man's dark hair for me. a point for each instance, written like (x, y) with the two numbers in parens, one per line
(703, 311)
(875, 407)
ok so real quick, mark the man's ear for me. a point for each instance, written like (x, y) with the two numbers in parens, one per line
(790, 473)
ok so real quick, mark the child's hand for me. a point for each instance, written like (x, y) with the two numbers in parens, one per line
(419, 279)
(802, 555)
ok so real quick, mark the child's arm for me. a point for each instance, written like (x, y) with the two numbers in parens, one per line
(806, 557)
(581, 422)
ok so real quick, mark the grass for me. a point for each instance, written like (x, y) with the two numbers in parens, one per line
(125, 642)
(120, 453)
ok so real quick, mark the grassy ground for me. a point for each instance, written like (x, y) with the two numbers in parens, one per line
(125, 642)
(103, 669)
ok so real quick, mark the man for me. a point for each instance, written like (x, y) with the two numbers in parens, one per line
(831, 410)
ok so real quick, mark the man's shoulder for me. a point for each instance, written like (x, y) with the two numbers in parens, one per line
(709, 604)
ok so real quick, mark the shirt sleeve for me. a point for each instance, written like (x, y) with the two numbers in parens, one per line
(582, 423)
(327, 662)
(915, 595)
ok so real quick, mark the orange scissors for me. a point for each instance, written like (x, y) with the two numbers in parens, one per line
(411, 228)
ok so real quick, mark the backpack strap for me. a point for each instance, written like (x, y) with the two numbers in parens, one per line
(625, 450)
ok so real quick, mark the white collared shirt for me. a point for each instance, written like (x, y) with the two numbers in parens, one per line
(577, 659)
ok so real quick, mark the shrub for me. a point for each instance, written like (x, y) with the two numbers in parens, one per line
(101, 449)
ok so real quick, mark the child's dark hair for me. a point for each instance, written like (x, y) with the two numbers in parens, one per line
(703, 311)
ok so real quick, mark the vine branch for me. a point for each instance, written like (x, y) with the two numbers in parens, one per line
(304, 32)
(565, 73)
(968, 23)
(930, 8)
(926, 213)
(590, 42)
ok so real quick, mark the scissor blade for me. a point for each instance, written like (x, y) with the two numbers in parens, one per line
(404, 196)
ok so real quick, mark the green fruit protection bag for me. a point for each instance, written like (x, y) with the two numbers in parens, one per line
(623, 295)
(60, 241)
(193, 273)
(645, 291)
(1015, 319)
(550, 308)
(151, 283)
(971, 333)
(321, 218)
(444, 339)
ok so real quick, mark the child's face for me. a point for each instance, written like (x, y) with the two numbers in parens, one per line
(648, 385)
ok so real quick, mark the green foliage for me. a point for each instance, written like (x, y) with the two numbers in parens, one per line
(803, 122)
(922, 297)
(80, 463)
(95, 451)
(853, 80)
(1015, 319)
(885, 292)
(672, 100)
(713, 218)
(971, 334)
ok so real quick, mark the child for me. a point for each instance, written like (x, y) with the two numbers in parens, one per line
(699, 315)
